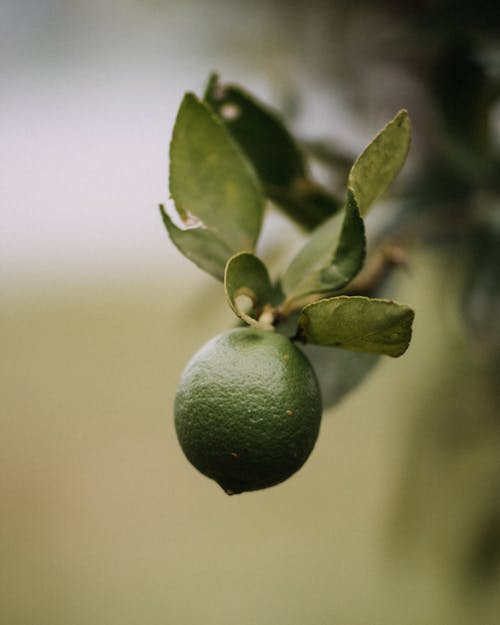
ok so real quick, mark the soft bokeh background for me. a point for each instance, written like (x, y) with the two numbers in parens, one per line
(396, 516)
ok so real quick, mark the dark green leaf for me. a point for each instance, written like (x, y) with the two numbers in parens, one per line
(306, 201)
(212, 182)
(358, 323)
(339, 371)
(331, 258)
(380, 162)
(329, 154)
(247, 275)
(260, 132)
(203, 247)
(274, 153)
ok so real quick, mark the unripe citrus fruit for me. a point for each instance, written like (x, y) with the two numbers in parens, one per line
(248, 409)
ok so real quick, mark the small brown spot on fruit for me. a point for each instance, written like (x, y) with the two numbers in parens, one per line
(286, 356)
(289, 413)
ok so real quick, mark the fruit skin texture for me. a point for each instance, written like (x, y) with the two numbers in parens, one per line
(248, 409)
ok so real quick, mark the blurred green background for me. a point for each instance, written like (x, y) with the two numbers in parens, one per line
(395, 518)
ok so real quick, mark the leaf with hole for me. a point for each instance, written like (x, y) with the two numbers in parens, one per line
(200, 245)
(214, 186)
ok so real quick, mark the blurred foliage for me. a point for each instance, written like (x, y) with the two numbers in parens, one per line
(451, 204)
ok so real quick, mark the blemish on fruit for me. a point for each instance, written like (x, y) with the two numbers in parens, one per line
(289, 413)
(286, 356)
(234, 454)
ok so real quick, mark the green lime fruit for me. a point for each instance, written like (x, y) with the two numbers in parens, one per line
(248, 409)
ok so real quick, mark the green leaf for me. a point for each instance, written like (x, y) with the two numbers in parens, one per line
(358, 323)
(339, 371)
(259, 131)
(276, 156)
(380, 162)
(306, 202)
(213, 184)
(331, 258)
(247, 275)
(203, 247)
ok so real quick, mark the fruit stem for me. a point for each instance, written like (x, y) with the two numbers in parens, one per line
(266, 321)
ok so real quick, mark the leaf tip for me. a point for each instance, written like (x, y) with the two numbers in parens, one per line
(403, 120)
(407, 317)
